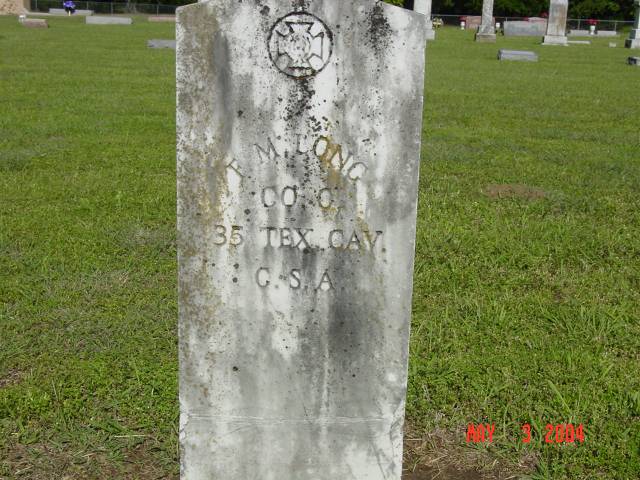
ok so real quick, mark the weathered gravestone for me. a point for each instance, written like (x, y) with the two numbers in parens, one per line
(35, 23)
(162, 19)
(634, 36)
(299, 126)
(607, 33)
(579, 33)
(524, 29)
(635, 61)
(160, 43)
(472, 22)
(96, 20)
(424, 7)
(557, 25)
(517, 55)
(487, 30)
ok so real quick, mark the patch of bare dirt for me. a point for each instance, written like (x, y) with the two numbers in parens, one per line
(440, 455)
(512, 190)
(12, 377)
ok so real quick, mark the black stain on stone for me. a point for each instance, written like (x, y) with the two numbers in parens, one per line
(379, 30)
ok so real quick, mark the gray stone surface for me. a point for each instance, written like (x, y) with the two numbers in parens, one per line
(606, 33)
(524, 29)
(157, 43)
(35, 23)
(487, 29)
(634, 37)
(298, 158)
(579, 42)
(96, 20)
(517, 55)
(472, 22)
(557, 25)
(163, 19)
(78, 13)
(579, 33)
(424, 7)
(634, 61)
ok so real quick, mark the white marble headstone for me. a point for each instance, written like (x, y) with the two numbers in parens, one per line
(557, 24)
(299, 129)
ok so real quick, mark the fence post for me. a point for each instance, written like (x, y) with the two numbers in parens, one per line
(157, 9)
(111, 5)
(36, 6)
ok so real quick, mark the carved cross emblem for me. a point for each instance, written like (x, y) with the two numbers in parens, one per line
(300, 45)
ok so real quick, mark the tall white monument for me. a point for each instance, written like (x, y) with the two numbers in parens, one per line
(487, 31)
(424, 7)
(299, 131)
(634, 38)
(557, 25)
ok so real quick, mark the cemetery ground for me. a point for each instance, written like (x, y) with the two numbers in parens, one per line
(527, 277)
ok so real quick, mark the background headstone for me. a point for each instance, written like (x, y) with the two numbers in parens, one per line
(557, 25)
(424, 7)
(634, 61)
(517, 55)
(487, 30)
(579, 33)
(96, 20)
(163, 18)
(524, 29)
(157, 43)
(472, 22)
(634, 37)
(35, 23)
(299, 127)
(606, 33)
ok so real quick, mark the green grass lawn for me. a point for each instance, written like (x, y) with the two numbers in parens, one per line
(527, 278)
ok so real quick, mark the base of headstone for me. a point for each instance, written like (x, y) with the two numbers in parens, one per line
(486, 37)
(517, 55)
(156, 43)
(635, 61)
(633, 42)
(431, 34)
(555, 40)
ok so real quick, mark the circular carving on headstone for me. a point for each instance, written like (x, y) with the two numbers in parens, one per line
(300, 44)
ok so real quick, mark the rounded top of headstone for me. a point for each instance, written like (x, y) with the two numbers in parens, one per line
(300, 44)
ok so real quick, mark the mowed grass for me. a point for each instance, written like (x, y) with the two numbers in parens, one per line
(527, 277)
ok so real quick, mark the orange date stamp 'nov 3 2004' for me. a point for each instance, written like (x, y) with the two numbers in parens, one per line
(560, 433)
